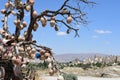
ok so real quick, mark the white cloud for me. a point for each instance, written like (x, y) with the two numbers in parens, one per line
(103, 31)
(61, 33)
(94, 36)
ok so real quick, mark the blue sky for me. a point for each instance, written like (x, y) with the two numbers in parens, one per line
(100, 35)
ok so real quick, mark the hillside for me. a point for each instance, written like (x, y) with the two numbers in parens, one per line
(71, 56)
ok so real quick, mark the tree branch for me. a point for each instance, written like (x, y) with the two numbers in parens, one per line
(69, 27)
(78, 16)
(87, 2)
(20, 16)
(63, 5)
(32, 21)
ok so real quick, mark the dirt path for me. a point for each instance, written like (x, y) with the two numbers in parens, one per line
(80, 78)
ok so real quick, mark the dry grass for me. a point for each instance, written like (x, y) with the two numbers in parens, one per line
(73, 70)
(40, 73)
(38, 78)
(111, 71)
(81, 72)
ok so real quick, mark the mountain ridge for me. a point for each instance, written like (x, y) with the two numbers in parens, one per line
(67, 57)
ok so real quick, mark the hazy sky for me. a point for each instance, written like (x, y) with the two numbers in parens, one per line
(101, 35)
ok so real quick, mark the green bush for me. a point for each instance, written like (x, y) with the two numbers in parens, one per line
(97, 64)
(43, 65)
(69, 76)
(84, 66)
(118, 63)
(61, 66)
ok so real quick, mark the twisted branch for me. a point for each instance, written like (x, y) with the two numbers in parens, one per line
(78, 16)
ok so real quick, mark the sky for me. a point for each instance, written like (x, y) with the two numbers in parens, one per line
(100, 35)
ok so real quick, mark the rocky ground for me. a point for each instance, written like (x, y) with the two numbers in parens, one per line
(80, 78)
(106, 73)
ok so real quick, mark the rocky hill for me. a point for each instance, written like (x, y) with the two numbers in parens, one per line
(70, 57)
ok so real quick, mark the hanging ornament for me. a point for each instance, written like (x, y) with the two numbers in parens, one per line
(10, 3)
(10, 55)
(68, 31)
(47, 54)
(18, 61)
(24, 24)
(35, 26)
(43, 21)
(21, 49)
(2, 31)
(25, 34)
(18, 21)
(7, 5)
(49, 60)
(33, 50)
(52, 21)
(21, 38)
(19, 6)
(21, 27)
(3, 11)
(13, 37)
(50, 65)
(31, 2)
(13, 13)
(13, 44)
(42, 57)
(24, 66)
(42, 51)
(51, 72)
(34, 14)
(28, 48)
(69, 19)
(27, 8)
(38, 55)
(31, 55)
(4, 40)
(13, 58)
(6, 34)
(5, 55)
(15, 22)
(56, 28)
(16, 2)
(20, 57)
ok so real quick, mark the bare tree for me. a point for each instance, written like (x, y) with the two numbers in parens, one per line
(16, 47)
(70, 15)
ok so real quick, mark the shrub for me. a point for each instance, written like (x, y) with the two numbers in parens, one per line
(70, 76)
(97, 64)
